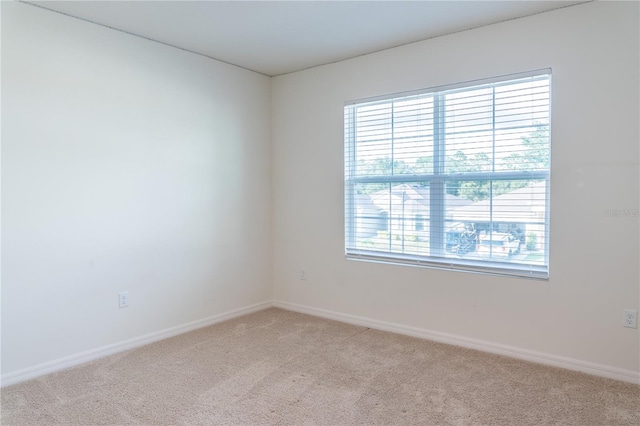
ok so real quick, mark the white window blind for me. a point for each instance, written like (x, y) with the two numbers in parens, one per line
(454, 177)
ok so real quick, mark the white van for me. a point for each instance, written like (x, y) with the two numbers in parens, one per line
(498, 244)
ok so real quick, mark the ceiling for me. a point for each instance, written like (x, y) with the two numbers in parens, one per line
(279, 37)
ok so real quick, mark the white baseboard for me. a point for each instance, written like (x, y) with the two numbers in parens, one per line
(83, 357)
(524, 354)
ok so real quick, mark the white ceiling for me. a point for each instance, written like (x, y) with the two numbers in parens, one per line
(279, 37)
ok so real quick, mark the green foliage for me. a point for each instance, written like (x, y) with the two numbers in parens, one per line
(381, 167)
(533, 156)
(424, 165)
(384, 167)
(471, 190)
(460, 163)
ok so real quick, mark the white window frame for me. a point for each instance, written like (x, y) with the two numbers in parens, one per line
(437, 179)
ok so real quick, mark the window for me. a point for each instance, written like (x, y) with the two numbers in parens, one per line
(455, 177)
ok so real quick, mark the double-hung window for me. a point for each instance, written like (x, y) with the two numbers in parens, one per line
(454, 177)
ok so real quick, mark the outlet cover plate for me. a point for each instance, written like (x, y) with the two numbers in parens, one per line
(123, 299)
(630, 318)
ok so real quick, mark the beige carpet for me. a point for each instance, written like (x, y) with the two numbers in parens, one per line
(282, 368)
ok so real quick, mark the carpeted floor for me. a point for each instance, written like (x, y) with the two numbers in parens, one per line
(277, 367)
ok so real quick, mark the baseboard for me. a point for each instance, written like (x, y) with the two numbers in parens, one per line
(524, 354)
(83, 357)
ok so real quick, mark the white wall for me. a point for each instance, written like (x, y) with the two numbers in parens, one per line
(126, 165)
(593, 50)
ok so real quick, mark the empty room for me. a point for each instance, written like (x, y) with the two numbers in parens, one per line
(320, 212)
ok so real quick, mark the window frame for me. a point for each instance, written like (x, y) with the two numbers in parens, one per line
(438, 179)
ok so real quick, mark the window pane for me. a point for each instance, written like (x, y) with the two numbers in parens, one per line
(501, 221)
(413, 135)
(395, 137)
(371, 221)
(394, 218)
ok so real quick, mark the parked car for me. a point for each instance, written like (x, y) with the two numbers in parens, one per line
(461, 238)
(498, 244)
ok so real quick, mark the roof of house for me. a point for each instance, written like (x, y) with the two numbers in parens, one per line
(417, 197)
(521, 205)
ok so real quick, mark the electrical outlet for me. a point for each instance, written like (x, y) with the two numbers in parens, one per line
(303, 275)
(630, 318)
(123, 299)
